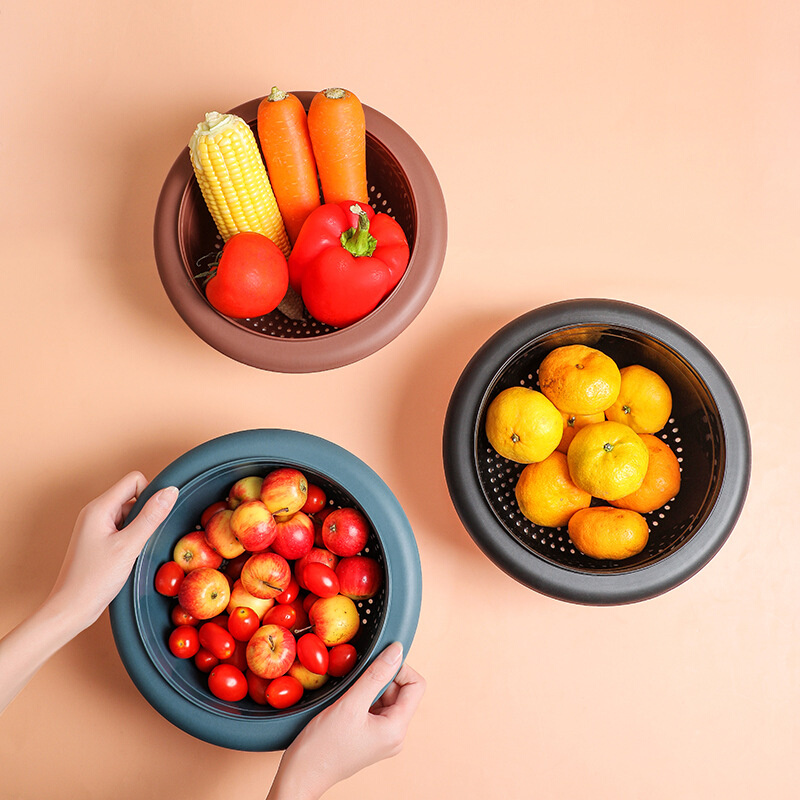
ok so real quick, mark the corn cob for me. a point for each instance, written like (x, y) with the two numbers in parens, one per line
(234, 180)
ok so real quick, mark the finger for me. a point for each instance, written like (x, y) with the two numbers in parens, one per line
(377, 675)
(409, 695)
(153, 513)
(126, 488)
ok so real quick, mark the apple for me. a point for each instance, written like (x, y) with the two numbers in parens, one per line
(233, 569)
(294, 537)
(271, 651)
(204, 593)
(319, 518)
(253, 525)
(241, 598)
(315, 554)
(192, 551)
(308, 680)
(360, 577)
(244, 489)
(345, 531)
(284, 491)
(220, 505)
(334, 619)
(266, 575)
(220, 535)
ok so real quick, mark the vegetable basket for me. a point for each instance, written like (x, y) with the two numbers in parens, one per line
(140, 617)
(401, 183)
(707, 431)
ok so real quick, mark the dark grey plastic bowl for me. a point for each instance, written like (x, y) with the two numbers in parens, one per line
(708, 432)
(140, 616)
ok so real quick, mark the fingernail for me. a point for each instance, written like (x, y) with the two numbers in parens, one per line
(167, 496)
(393, 653)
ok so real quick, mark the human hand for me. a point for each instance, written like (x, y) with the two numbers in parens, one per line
(100, 553)
(353, 732)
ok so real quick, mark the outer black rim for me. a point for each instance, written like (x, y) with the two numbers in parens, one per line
(517, 561)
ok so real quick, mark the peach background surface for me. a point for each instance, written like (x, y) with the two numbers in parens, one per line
(648, 152)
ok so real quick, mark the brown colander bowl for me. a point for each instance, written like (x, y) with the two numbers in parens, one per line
(401, 183)
(707, 431)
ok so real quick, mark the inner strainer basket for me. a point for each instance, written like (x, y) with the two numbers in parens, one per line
(707, 432)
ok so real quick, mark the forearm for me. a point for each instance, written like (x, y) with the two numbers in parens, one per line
(28, 646)
(292, 782)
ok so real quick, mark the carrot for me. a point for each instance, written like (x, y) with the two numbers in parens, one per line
(338, 136)
(283, 133)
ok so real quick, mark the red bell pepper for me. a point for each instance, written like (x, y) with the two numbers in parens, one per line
(346, 260)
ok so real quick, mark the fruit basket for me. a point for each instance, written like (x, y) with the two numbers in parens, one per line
(401, 183)
(707, 430)
(140, 617)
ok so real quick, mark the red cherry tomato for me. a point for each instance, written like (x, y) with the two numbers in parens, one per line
(168, 578)
(321, 580)
(243, 623)
(341, 659)
(257, 687)
(309, 601)
(180, 616)
(312, 653)
(280, 614)
(220, 505)
(205, 660)
(216, 639)
(315, 500)
(239, 657)
(284, 691)
(302, 618)
(227, 682)
(184, 641)
(290, 593)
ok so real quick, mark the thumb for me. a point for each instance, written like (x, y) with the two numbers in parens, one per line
(153, 513)
(378, 675)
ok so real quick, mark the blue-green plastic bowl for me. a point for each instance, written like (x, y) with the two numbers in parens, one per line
(140, 617)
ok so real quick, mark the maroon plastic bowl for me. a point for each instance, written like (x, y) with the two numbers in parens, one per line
(401, 182)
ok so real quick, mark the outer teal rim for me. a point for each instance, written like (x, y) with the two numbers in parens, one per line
(227, 725)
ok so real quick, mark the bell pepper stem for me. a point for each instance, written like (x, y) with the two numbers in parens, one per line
(358, 241)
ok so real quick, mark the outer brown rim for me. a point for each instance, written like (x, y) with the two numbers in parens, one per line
(339, 347)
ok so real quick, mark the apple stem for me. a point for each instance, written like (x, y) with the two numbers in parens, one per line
(303, 630)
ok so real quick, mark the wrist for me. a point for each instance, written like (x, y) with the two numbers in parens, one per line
(293, 782)
(63, 615)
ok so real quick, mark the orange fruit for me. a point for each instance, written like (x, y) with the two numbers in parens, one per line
(644, 401)
(546, 494)
(608, 460)
(661, 481)
(523, 425)
(579, 379)
(573, 423)
(608, 533)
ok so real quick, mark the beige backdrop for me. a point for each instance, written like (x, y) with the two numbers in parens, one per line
(642, 151)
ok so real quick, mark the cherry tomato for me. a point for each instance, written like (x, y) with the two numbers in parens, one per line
(341, 659)
(227, 682)
(290, 593)
(239, 657)
(233, 569)
(284, 691)
(205, 660)
(180, 616)
(257, 687)
(315, 500)
(302, 618)
(281, 614)
(309, 601)
(184, 641)
(168, 578)
(216, 639)
(243, 623)
(312, 653)
(321, 580)
(220, 505)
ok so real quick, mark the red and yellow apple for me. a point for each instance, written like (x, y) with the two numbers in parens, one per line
(204, 593)
(294, 537)
(220, 535)
(345, 531)
(284, 491)
(241, 598)
(271, 651)
(334, 619)
(308, 680)
(360, 577)
(244, 489)
(266, 575)
(253, 525)
(192, 551)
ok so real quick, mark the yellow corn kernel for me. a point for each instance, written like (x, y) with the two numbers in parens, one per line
(233, 179)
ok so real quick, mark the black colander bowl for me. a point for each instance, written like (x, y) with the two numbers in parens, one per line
(140, 617)
(707, 431)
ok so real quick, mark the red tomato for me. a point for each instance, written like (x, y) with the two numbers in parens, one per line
(315, 500)
(205, 660)
(341, 659)
(180, 616)
(312, 653)
(220, 505)
(309, 601)
(257, 687)
(281, 614)
(227, 682)
(284, 691)
(243, 623)
(239, 657)
(290, 593)
(302, 618)
(184, 641)
(168, 578)
(216, 639)
(321, 580)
